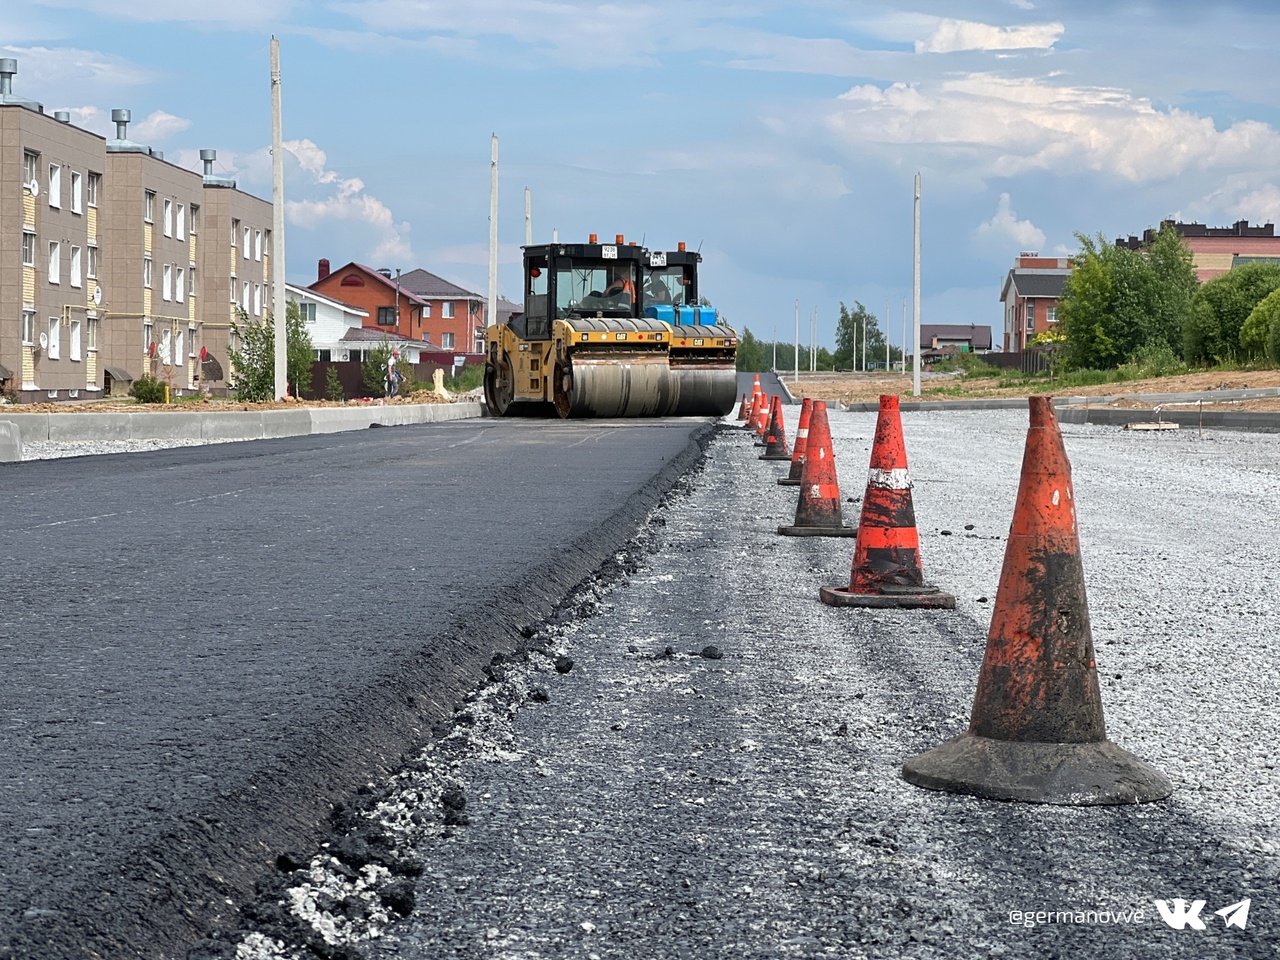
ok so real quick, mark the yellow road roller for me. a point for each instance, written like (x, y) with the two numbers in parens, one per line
(596, 337)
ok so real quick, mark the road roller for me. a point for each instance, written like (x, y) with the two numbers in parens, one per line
(596, 337)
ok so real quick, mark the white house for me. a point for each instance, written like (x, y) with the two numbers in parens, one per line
(327, 320)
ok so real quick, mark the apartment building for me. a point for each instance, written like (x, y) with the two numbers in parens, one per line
(51, 250)
(115, 263)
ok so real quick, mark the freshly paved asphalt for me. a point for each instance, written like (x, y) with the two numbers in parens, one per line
(204, 648)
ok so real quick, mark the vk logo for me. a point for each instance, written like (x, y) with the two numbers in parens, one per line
(1180, 915)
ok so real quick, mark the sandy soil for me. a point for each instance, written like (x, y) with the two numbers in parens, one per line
(859, 387)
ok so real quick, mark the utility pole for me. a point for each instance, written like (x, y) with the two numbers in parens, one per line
(493, 229)
(797, 340)
(904, 334)
(915, 287)
(278, 306)
(886, 336)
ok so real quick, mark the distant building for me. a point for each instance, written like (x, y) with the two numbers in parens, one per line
(453, 317)
(326, 320)
(939, 340)
(1030, 294)
(1217, 250)
(389, 305)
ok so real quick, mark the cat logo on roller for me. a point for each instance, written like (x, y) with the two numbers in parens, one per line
(635, 301)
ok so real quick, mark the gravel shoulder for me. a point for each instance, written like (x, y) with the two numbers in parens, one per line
(663, 804)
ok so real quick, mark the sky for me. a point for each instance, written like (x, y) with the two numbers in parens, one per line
(781, 139)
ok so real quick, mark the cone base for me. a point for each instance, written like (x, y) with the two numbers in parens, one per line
(788, 482)
(1074, 774)
(818, 531)
(776, 456)
(919, 598)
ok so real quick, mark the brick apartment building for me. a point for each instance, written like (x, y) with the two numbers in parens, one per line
(1217, 250)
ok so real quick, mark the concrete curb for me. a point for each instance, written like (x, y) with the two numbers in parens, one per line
(10, 442)
(220, 424)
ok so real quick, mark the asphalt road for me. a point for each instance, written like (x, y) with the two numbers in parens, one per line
(205, 647)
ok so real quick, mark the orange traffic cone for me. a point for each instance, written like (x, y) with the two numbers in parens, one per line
(792, 479)
(775, 438)
(818, 510)
(753, 414)
(1037, 732)
(886, 562)
(762, 416)
(742, 410)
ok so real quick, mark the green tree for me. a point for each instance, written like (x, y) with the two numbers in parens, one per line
(852, 327)
(1220, 309)
(751, 355)
(333, 385)
(373, 369)
(1118, 300)
(1261, 331)
(253, 358)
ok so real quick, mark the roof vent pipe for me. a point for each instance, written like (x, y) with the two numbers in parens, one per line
(8, 69)
(121, 119)
(208, 156)
(62, 116)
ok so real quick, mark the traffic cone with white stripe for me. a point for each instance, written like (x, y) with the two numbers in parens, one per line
(762, 417)
(753, 413)
(743, 410)
(886, 562)
(775, 438)
(792, 479)
(1036, 732)
(818, 510)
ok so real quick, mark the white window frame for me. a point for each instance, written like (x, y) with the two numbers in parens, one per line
(91, 264)
(147, 271)
(28, 326)
(92, 188)
(257, 245)
(28, 248)
(148, 336)
(168, 217)
(235, 232)
(180, 284)
(257, 299)
(166, 282)
(446, 341)
(180, 225)
(148, 206)
(91, 334)
(74, 274)
(73, 341)
(55, 261)
(446, 310)
(30, 166)
(195, 218)
(77, 191)
(246, 237)
(233, 289)
(245, 302)
(54, 350)
(55, 185)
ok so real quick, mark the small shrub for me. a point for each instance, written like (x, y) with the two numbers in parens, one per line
(1155, 359)
(333, 386)
(147, 390)
(971, 363)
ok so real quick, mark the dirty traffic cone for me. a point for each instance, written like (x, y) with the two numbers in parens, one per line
(1037, 732)
(762, 417)
(886, 562)
(744, 409)
(753, 413)
(818, 510)
(775, 438)
(792, 479)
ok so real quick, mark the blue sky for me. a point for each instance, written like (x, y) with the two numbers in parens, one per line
(782, 138)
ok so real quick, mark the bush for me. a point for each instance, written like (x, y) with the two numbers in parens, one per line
(1155, 359)
(147, 390)
(972, 365)
(468, 378)
(333, 386)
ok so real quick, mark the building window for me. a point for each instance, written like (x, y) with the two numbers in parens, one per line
(257, 244)
(180, 285)
(426, 311)
(191, 283)
(148, 205)
(54, 349)
(75, 267)
(233, 288)
(1031, 316)
(55, 185)
(28, 326)
(166, 282)
(307, 312)
(28, 249)
(446, 341)
(148, 337)
(168, 217)
(181, 225)
(324, 356)
(244, 298)
(55, 261)
(1051, 315)
(386, 316)
(92, 270)
(195, 218)
(446, 310)
(76, 190)
(146, 272)
(246, 235)
(257, 299)
(235, 231)
(92, 334)
(74, 340)
(191, 339)
(95, 184)
(29, 162)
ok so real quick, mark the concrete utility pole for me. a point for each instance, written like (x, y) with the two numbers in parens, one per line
(886, 336)
(528, 218)
(797, 358)
(864, 346)
(915, 310)
(904, 334)
(493, 230)
(278, 305)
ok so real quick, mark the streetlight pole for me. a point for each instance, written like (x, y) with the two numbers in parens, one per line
(915, 285)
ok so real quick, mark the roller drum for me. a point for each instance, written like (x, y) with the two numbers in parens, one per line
(705, 391)
(615, 388)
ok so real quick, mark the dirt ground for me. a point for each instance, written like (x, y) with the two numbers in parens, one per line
(867, 387)
(198, 404)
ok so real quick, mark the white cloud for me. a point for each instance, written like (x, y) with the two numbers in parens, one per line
(1012, 126)
(950, 36)
(158, 126)
(349, 202)
(237, 13)
(1242, 197)
(1005, 228)
(44, 68)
